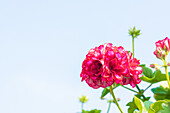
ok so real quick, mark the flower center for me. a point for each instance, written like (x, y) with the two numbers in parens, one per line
(96, 67)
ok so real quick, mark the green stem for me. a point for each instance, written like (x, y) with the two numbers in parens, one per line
(82, 106)
(140, 91)
(167, 76)
(133, 38)
(133, 47)
(147, 87)
(109, 107)
(138, 88)
(111, 91)
(130, 89)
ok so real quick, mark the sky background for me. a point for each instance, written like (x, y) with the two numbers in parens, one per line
(44, 42)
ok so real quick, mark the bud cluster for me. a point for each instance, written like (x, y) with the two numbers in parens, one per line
(162, 48)
(133, 32)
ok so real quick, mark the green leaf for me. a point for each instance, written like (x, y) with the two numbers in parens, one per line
(107, 90)
(166, 107)
(161, 106)
(159, 90)
(159, 76)
(139, 104)
(147, 105)
(147, 72)
(132, 107)
(156, 77)
(161, 93)
(159, 96)
(92, 111)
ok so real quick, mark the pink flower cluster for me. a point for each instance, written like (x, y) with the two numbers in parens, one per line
(107, 64)
(162, 48)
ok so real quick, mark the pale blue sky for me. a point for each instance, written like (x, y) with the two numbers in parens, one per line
(43, 44)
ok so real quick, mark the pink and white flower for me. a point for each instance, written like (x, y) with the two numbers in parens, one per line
(162, 48)
(107, 64)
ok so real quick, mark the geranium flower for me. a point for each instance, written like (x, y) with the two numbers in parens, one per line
(107, 64)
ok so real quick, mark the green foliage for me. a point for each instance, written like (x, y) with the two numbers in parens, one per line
(132, 107)
(92, 111)
(147, 105)
(152, 78)
(147, 72)
(139, 104)
(161, 93)
(166, 107)
(161, 106)
(142, 107)
(107, 90)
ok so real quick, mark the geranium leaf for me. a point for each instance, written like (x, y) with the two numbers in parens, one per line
(139, 104)
(161, 93)
(132, 107)
(147, 72)
(161, 106)
(147, 105)
(157, 76)
(159, 90)
(166, 107)
(107, 90)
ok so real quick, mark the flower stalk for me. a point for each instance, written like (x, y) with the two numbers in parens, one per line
(111, 91)
(147, 87)
(166, 71)
(129, 89)
(133, 46)
(135, 33)
(109, 107)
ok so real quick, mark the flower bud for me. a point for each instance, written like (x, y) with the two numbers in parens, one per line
(83, 99)
(162, 48)
(152, 65)
(155, 66)
(133, 32)
(118, 99)
(168, 64)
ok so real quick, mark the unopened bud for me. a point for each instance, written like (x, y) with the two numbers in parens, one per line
(133, 32)
(152, 65)
(162, 48)
(118, 99)
(168, 64)
(155, 66)
(83, 99)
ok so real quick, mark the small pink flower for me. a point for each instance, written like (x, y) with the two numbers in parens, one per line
(106, 64)
(162, 48)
